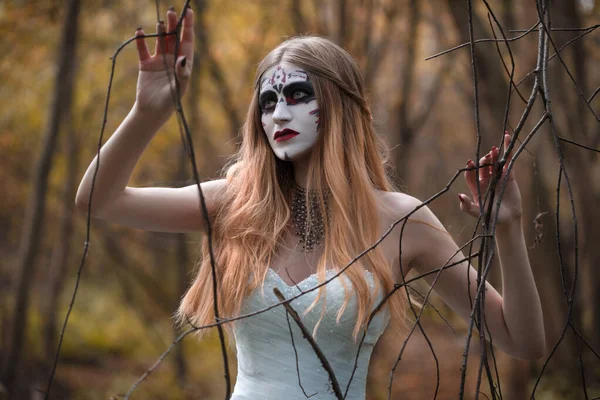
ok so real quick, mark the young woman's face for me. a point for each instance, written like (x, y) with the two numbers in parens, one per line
(290, 115)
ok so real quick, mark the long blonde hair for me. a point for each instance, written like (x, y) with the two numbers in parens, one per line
(348, 159)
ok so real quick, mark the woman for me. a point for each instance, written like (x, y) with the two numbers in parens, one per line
(306, 193)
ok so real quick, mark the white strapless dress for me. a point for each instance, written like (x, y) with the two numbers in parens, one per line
(266, 360)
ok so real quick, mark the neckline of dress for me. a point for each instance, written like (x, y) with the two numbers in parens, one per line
(313, 275)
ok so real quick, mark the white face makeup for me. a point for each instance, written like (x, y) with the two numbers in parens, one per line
(290, 115)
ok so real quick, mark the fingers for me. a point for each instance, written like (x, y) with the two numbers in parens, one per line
(485, 172)
(142, 47)
(486, 168)
(467, 206)
(487, 164)
(161, 43)
(507, 140)
(166, 44)
(494, 153)
(187, 35)
(171, 26)
(471, 177)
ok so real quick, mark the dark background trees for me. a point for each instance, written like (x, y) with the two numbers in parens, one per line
(52, 105)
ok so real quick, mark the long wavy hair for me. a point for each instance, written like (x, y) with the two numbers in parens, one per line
(349, 160)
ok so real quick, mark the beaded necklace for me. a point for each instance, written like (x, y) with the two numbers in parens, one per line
(310, 237)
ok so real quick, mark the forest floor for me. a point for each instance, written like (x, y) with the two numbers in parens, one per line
(110, 376)
(415, 377)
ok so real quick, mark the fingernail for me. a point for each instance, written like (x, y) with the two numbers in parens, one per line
(461, 199)
(494, 148)
(171, 8)
(183, 62)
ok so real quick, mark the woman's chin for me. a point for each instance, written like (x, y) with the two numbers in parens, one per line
(293, 155)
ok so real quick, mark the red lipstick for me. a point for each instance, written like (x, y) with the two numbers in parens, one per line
(284, 135)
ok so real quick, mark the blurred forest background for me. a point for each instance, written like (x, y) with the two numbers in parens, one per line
(53, 82)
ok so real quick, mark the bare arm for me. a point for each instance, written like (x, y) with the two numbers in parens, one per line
(158, 209)
(514, 319)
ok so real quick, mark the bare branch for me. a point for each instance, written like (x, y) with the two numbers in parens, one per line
(306, 334)
(460, 46)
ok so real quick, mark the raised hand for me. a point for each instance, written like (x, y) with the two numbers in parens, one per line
(156, 83)
(510, 207)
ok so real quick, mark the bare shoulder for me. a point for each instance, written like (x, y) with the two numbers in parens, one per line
(405, 239)
(411, 239)
(397, 205)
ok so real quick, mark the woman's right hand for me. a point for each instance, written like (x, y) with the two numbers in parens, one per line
(156, 82)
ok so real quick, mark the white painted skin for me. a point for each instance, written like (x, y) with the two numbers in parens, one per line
(279, 113)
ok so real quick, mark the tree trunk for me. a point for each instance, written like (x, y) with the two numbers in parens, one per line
(490, 74)
(343, 35)
(580, 165)
(181, 249)
(182, 262)
(216, 72)
(34, 216)
(298, 19)
(406, 134)
(570, 116)
(60, 257)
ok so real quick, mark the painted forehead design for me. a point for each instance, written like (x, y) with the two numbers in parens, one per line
(280, 76)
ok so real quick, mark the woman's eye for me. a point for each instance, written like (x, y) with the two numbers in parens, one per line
(269, 104)
(299, 94)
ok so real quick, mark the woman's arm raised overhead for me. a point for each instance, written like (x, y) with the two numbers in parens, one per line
(157, 209)
(514, 319)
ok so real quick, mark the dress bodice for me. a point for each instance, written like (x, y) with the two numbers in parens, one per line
(266, 358)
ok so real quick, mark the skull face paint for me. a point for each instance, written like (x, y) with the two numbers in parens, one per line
(290, 115)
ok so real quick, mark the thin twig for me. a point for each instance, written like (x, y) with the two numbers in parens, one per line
(309, 338)
(460, 46)
(578, 144)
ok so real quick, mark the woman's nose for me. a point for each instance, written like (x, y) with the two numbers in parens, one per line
(281, 114)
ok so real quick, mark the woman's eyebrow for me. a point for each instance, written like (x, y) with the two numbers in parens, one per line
(290, 87)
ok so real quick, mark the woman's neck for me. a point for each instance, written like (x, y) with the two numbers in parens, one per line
(301, 172)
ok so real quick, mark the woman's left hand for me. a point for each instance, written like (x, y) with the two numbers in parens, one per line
(510, 207)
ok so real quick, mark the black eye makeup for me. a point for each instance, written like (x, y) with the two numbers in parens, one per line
(267, 101)
(299, 92)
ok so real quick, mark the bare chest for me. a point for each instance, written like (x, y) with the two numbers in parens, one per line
(293, 264)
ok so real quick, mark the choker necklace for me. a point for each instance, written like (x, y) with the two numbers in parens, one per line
(309, 236)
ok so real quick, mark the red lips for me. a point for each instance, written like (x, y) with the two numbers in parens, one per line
(285, 135)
